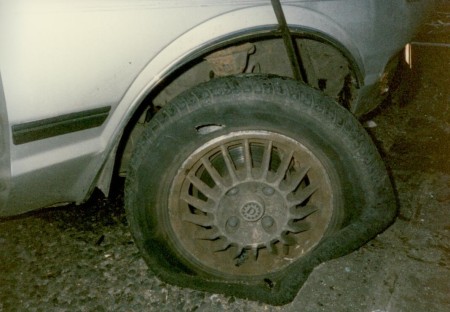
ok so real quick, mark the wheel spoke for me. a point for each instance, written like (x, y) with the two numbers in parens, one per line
(223, 244)
(255, 252)
(284, 167)
(299, 226)
(218, 180)
(203, 187)
(239, 251)
(207, 234)
(300, 196)
(295, 179)
(241, 256)
(229, 163)
(197, 203)
(201, 220)
(302, 212)
(248, 159)
(265, 164)
(271, 248)
(287, 240)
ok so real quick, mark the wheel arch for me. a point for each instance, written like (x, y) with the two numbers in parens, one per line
(222, 32)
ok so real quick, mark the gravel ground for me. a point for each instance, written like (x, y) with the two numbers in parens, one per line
(82, 258)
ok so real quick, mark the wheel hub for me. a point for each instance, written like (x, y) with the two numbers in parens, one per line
(255, 215)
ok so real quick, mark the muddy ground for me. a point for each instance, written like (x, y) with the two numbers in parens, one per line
(83, 258)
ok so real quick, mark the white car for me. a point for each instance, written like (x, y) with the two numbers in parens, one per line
(234, 122)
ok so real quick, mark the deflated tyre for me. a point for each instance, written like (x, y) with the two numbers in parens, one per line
(244, 184)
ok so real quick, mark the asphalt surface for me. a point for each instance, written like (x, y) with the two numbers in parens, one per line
(82, 258)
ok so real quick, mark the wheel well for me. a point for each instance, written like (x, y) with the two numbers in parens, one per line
(327, 68)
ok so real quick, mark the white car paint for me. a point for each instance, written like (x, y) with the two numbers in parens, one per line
(63, 56)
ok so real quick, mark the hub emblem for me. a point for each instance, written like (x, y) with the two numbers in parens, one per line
(252, 211)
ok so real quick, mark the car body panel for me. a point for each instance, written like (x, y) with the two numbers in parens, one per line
(62, 169)
(64, 57)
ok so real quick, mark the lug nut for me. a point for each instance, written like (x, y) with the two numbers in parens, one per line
(268, 191)
(233, 222)
(267, 221)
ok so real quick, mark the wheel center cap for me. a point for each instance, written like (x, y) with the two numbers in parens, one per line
(252, 211)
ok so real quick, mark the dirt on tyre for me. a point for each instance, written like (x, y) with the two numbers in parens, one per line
(243, 185)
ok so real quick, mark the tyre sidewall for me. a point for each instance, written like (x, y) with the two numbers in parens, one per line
(169, 143)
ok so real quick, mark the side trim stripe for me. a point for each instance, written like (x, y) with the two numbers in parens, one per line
(46, 128)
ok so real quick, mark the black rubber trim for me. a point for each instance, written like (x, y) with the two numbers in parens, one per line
(51, 127)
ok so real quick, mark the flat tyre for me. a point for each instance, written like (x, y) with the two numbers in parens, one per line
(244, 184)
